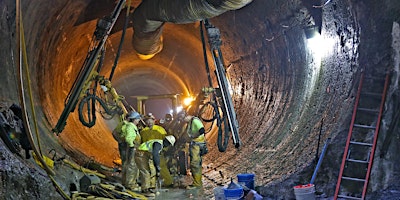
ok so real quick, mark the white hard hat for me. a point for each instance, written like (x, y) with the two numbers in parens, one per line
(171, 139)
(149, 116)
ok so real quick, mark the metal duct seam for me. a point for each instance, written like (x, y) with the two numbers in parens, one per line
(150, 16)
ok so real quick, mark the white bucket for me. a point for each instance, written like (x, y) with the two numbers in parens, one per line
(219, 193)
(304, 192)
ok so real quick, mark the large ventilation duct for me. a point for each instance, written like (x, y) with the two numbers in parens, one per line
(150, 15)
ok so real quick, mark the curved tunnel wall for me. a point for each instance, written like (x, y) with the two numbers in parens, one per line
(281, 92)
(270, 79)
(273, 94)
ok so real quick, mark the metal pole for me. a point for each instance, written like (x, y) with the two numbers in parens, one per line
(321, 157)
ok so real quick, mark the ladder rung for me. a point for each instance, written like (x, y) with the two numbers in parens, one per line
(361, 143)
(348, 197)
(368, 110)
(364, 126)
(357, 161)
(375, 78)
(372, 94)
(353, 179)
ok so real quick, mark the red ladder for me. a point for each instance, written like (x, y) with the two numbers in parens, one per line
(360, 147)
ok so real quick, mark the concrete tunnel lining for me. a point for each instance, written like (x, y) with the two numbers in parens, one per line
(278, 107)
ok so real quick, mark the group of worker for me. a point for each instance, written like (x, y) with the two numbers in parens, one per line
(143, 152)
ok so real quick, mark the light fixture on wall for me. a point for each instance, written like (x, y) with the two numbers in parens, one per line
(312, 31)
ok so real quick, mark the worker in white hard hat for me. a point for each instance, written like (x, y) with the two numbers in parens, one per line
(127, 135)
(147, 151)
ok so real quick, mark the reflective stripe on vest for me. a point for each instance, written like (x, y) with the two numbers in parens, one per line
(148, 146)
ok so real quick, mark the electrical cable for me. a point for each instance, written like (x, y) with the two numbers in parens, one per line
(36, 149)
(23, 60)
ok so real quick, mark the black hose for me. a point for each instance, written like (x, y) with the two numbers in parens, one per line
(92, 117)
(205, 53)
(120, 44)
(222, 145)
(215, 112)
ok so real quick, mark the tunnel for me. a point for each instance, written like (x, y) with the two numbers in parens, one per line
(290, 95)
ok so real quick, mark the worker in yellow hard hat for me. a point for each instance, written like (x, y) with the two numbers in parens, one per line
(127, 135)
(149, 156)
(152, 131)
(197, 147)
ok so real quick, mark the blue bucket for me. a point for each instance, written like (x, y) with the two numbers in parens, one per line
(246, 180)
(233, 194)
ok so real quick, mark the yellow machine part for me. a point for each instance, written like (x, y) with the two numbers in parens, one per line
(49, 162)
(107, 187)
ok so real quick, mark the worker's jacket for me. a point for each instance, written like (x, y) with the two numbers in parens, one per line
(193, 128)
(154, 147)
(127, 132)
(155, 132)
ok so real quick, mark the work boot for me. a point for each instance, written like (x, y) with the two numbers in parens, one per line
(148, 193)
(197, 180)
(192, 187)
(169, 186)
(134, 189)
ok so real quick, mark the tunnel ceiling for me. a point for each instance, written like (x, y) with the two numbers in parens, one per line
(281, 90)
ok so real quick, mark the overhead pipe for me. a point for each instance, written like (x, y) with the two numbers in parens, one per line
(150, 16)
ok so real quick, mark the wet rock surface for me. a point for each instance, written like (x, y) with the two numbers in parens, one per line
(21, 179)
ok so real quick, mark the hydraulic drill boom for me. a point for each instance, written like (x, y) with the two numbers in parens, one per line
(214, 40)
(87, 73)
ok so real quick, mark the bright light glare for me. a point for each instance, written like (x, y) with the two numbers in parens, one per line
(179, 109)
(187, 101)
(319, 45)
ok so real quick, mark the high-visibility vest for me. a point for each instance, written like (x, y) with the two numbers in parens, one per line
(124, 129)
(193, 127)
(148, 146)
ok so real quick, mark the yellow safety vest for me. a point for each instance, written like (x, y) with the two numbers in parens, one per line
(148, 146)
(193, 127)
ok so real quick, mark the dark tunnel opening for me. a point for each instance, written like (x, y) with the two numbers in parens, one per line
(288, 98)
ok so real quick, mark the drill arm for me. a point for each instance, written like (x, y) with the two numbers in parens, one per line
(85, 77)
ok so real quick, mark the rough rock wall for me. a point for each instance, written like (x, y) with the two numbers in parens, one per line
(22, 180)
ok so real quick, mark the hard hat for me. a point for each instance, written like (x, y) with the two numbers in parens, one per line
(149, 116)
(134, 115)
(171, 139)
(182, 114)
(168, 117)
